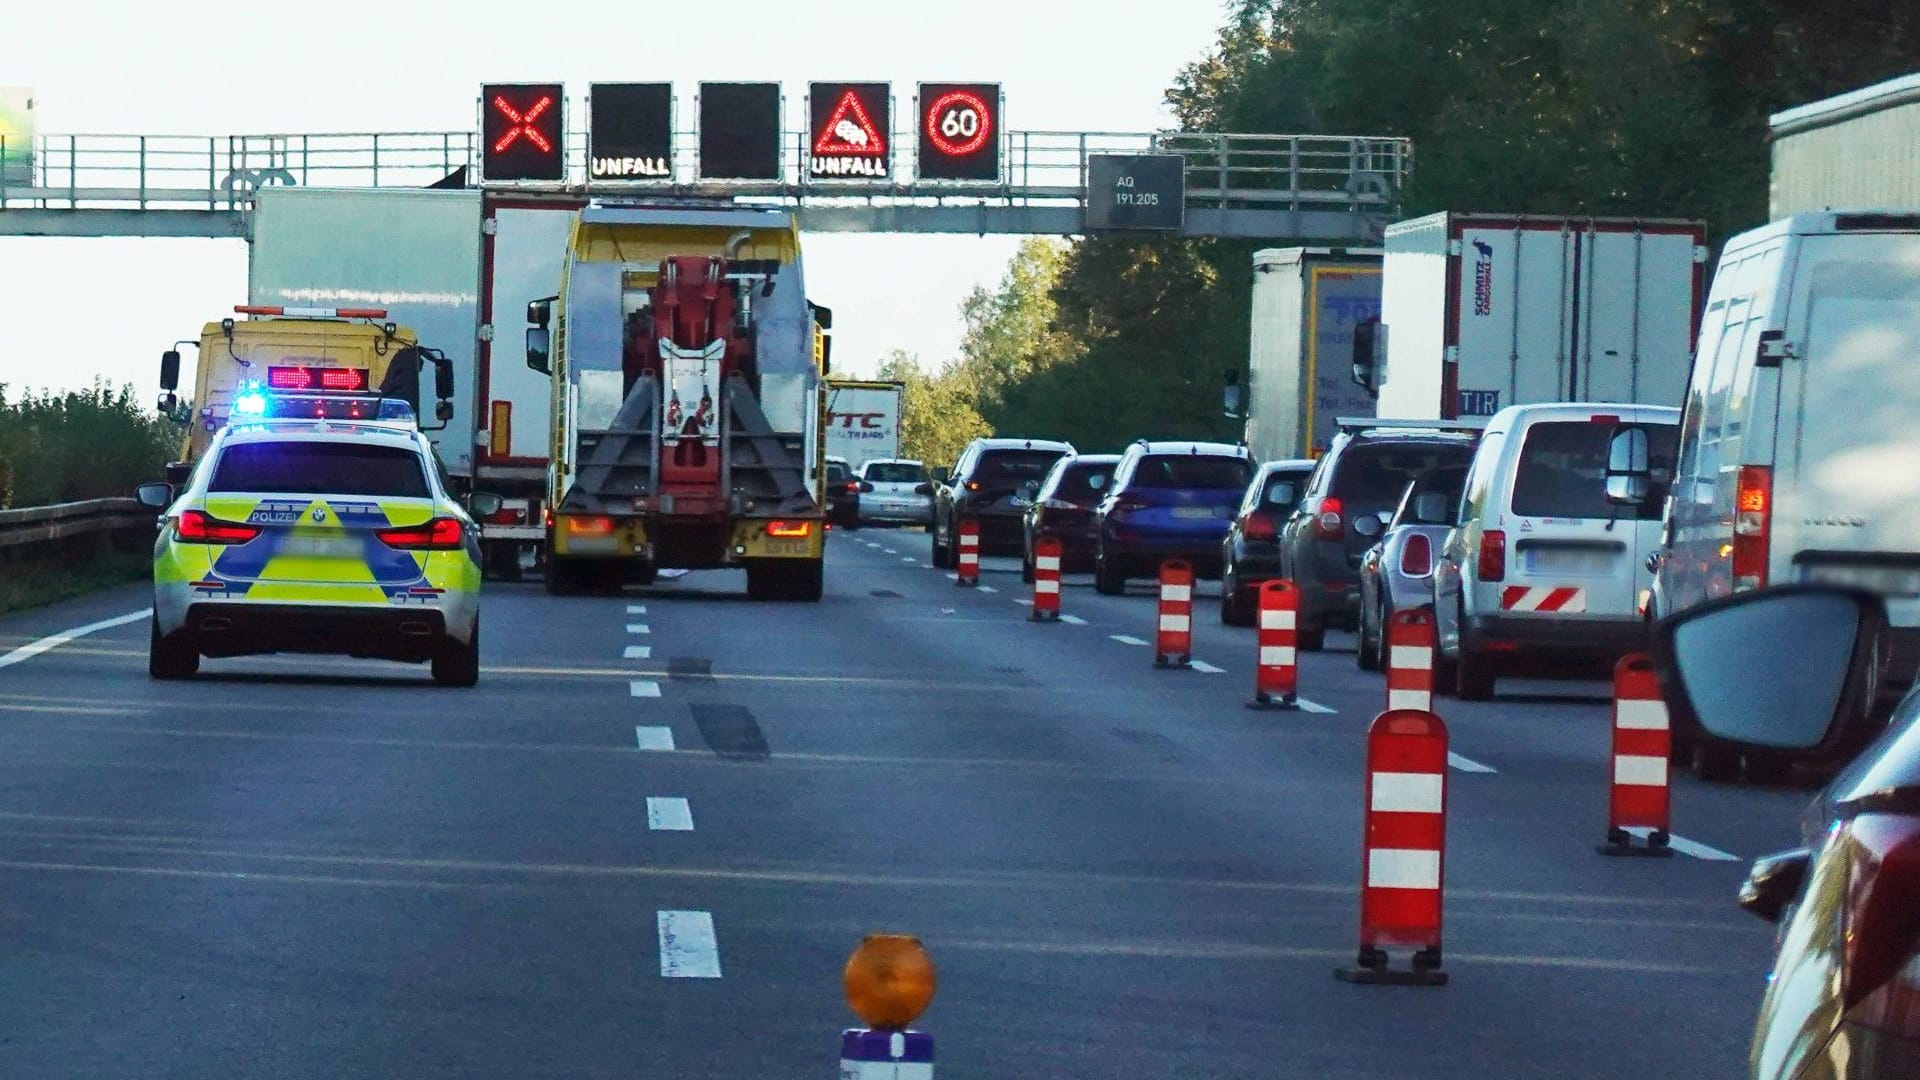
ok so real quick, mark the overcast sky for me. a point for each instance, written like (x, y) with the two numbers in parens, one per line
(74, 310)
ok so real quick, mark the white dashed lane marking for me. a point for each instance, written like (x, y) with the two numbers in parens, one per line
(653, 738)
(643, 688)
(1315, 707)
(636, 609)
(1073, 620)
(639, 628)
(669, 815)
(688, 949)
(638, 652)
(1467, 764)
(1208, 669)
(1127, 640)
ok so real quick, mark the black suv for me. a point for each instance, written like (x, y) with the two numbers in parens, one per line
(992, 483)
(1360, 479)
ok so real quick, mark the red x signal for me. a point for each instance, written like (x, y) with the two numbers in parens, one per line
(522, 123)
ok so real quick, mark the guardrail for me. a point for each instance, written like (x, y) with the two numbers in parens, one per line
(78, 530)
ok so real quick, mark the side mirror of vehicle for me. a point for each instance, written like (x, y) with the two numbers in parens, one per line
(168, 404)
(539, 342)
(170, 370)
(443, 411)
(1430, 508)
(1233, 397)
(1282, 494)
(923, 489)
(156, 495)
(1775, 882)
(865, 488)
(1629, 473)
(485, 504)
(540, 312)
(1369, 342)
(941, 475)
(1787, 668)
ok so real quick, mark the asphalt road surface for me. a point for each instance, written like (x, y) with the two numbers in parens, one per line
(645, 845)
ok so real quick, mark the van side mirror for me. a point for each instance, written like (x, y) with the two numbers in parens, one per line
(1818, 651)
(1629, 473)
(1233, 397)
(170, 370)
(1774, 883)
(1369, 342)
(540, 312)
(539, 341)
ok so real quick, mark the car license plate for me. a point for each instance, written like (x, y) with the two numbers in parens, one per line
(1884, 580)
(1194, 512)
(1018, 501)
(1576, 562)
(318, 547)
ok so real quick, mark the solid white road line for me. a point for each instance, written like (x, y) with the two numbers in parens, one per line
(636, 609)
(643, 688)
(1073, 620)
(669, 815)
(638, 652)
(687, 946)
(1314, 707)
(1126, 640)
(1467, 764)
(639, 628)
(1691, 847)
(1206, 668)
(54, 641)
(653, 738)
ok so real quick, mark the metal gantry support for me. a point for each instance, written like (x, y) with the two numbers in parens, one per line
(1333, 188)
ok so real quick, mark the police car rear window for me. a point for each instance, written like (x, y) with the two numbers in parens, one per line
(320, 468)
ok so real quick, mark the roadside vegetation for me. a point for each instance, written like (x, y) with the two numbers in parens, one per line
(1647, 108)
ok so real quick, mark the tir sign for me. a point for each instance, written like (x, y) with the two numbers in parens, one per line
(959, 126)
(851, 131)
(522, 132)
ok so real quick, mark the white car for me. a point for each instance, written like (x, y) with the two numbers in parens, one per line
(895, 492)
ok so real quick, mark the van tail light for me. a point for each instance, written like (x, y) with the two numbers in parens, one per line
(1416, 556)
(1752, 527)
(1328, 523)
(1493, 556)
(200, 527)
(1260, 526)
(440, 534)
(1881, 986)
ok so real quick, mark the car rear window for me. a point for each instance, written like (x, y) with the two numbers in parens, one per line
(1193, 472)
(320, 468)
(837, 473)
(1295, 485)
(1083, 485)
(891, 472)
(1371, 476)
(1012, 468)
(1563, 471)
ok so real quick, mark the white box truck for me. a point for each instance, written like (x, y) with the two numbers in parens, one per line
(450, 264)
(1480, 311)
(863, 421)
(1858, 151)
(1306, 304)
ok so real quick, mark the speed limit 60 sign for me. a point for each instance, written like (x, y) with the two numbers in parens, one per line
(959, 125)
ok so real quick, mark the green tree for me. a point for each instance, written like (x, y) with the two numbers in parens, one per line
(937, 414)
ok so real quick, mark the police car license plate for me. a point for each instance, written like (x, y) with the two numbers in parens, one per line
(1884, 580)
(319, 547)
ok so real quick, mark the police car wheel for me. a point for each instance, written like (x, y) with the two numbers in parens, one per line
(170, 657)
(458, 664)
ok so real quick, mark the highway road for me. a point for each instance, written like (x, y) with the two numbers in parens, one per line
(644, 846)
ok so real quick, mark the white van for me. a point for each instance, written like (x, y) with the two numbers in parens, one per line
(1800, 451)
(1548, 561)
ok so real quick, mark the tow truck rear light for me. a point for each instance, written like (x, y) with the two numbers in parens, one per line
(1260, 526)
(789, 530)
(1752, 527)
(1329, 523)
(200, 527)
(311, 312)
(1416, 556)
(440, 534)
(589, 526)
(1493, 555)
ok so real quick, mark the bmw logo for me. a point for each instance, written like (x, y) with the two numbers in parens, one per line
(319, 513)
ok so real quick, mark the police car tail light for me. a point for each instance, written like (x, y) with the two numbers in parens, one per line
(200, 527)
(1752, 527)
(440, 534)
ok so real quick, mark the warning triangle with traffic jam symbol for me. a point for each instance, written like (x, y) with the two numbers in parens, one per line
(849, 132)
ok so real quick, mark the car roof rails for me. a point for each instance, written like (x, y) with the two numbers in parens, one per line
(1469, 425)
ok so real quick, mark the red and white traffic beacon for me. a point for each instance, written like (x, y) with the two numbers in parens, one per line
(1638, 796)
(1402, 865)
(889, 982)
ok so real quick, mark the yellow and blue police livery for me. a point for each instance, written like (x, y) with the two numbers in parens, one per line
(320, 532)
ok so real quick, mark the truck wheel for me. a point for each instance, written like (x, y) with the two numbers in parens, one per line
(806, 580)
(645, 573)
(562, 577)
(170, 657)
(457, 664)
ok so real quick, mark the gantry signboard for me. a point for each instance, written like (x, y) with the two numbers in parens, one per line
(1136, 191)
(850, 136)
(740, 131)
(523, 132)
(959, 132)
(630, 131)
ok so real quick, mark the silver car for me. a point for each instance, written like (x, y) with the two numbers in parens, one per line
(895, 492)
(1396, 574)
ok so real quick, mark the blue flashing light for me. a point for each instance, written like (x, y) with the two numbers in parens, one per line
(250, 400)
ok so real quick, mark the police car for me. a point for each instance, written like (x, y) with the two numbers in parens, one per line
(316, 524)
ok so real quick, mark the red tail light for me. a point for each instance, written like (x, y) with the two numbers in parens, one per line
(1127, 504)
(440, 534)
(589, 526)
(789, 530)
(1493, 555)
(1416, 556)
(973, 485)
(1329, 523)
(1882, 981)
(199, 527)
(1260, 526)
(853, 487)
(1752, 527)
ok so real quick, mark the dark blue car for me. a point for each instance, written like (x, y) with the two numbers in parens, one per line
(1168, 500)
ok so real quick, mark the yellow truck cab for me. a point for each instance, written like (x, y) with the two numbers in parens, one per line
(316, 350)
